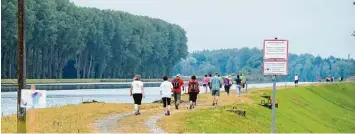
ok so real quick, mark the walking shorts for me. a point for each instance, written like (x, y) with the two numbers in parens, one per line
(166, 100)
(137, 98)
(215, 92)
(193, 96)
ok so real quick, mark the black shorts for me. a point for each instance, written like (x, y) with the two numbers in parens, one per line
(137, 98)
(204, 85)
(193, 96)
(296, 81)
(166, 100)
(227, 87)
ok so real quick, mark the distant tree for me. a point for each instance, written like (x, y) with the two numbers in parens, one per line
(249, 61)
(67, 41)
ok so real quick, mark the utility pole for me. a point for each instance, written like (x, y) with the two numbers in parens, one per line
(21, 65)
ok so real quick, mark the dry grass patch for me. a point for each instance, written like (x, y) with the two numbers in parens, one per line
(70, 118)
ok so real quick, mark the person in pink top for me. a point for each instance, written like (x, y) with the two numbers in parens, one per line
(205, 81)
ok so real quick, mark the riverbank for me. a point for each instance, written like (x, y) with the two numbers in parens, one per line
(315, 108)
(85, 117)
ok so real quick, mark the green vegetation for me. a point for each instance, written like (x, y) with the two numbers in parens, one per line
(249, 61)
(325, 108)
(66, 41)
(39, 81)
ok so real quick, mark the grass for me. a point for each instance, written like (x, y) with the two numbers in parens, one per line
(42, 81)
(316, 108)
(67, 119)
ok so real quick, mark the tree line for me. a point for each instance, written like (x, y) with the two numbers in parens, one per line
(67, 41)
(249, 61)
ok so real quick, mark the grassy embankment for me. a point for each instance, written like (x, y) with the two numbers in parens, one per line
(301, 109)
(317, 108)
(42, 81)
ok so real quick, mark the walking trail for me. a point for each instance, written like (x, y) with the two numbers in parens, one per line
(147, 121)
(152, 113)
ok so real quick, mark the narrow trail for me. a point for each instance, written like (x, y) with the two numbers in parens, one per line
(109, 123)
(151, 123)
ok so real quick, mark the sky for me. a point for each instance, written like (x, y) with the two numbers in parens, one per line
(318, 27)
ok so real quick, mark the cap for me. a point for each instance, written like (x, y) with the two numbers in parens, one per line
(178, 75)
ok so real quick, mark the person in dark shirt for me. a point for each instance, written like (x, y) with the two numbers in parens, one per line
(239, 83)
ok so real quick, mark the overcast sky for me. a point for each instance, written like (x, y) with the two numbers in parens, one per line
(319, 27)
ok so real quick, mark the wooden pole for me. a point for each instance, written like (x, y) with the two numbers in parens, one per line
(21, 66)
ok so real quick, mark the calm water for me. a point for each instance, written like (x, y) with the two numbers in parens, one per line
(70, 96)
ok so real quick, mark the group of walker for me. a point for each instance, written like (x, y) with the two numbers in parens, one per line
(176, 86)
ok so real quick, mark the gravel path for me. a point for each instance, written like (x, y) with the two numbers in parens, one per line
(109, 123)
(151, 123)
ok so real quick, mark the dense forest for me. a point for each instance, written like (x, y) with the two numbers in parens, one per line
(67, 41)
(249, 61)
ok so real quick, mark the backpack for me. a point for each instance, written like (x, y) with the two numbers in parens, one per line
(176, 84)
(193, 86)
(226, 81)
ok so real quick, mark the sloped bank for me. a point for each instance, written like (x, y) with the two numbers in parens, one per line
(315, 108)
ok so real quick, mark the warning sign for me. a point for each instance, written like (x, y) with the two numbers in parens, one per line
(275, 49)
(275, 57)
(275, 68)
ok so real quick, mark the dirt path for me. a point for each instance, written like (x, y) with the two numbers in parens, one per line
(151, 123)
(109, 123)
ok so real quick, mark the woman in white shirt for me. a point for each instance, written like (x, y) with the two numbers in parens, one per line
(166, 89)
(137, 91)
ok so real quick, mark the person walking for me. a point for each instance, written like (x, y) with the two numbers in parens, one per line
(209, 82)
(244, 82)
(238, 81)
(227, 84)
(296, 80)
(166, 89)
(137, 91)
(215, 84)
(193, 89)
(178, 83)
(205, 82)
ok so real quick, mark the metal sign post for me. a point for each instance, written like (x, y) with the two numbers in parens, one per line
(273, 103)
(275, 63)
(21, 66)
